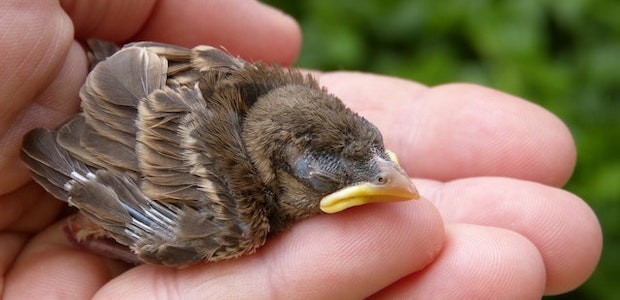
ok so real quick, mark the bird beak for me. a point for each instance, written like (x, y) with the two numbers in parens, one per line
(392, 185)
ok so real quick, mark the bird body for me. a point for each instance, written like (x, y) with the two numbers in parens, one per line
(188, 155)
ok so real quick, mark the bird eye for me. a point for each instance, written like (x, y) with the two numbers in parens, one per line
(322, 182)
(313, 173)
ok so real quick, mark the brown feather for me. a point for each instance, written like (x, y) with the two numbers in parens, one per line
(186, 155)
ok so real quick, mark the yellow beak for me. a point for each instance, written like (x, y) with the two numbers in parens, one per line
(391, 185)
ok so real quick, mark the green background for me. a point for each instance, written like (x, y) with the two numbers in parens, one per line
(563, 55)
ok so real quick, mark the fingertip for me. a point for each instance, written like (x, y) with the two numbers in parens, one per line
(572, 244)
(562, 226)
(113, 20)
(250, 29)
(290, 40)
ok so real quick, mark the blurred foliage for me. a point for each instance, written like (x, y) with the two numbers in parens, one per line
(563, 55)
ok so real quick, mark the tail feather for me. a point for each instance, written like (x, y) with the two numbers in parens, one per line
(99, 51)
(51, 165)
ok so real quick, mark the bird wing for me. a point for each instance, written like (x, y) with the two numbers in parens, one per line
(152, 161)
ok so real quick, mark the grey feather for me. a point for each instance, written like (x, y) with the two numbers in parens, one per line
(144, 143)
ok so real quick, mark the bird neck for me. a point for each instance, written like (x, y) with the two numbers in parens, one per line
(269, 137)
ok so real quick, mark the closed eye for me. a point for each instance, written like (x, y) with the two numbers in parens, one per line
(323, 182)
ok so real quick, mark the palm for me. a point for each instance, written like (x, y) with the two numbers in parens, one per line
(506, 232)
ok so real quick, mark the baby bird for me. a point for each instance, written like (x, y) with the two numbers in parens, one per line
(188, 155)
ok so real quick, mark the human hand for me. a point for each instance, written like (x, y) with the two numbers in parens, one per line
(510, 236)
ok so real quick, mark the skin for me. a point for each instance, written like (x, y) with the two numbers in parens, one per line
(493, 222)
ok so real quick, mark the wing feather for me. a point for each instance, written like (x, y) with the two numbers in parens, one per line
(156, 155)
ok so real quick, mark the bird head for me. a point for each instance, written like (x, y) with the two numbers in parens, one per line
(318, 155)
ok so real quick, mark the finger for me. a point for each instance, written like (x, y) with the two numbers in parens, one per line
(55, 101)
(36, 37)
(460, 130)
(477, 262)
(48, 267)
(247, 28)
(349, 256)
(563, 228)
(34, 42)
(113, 20)
(28, 209)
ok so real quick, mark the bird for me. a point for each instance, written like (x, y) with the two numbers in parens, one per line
(187, 155)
